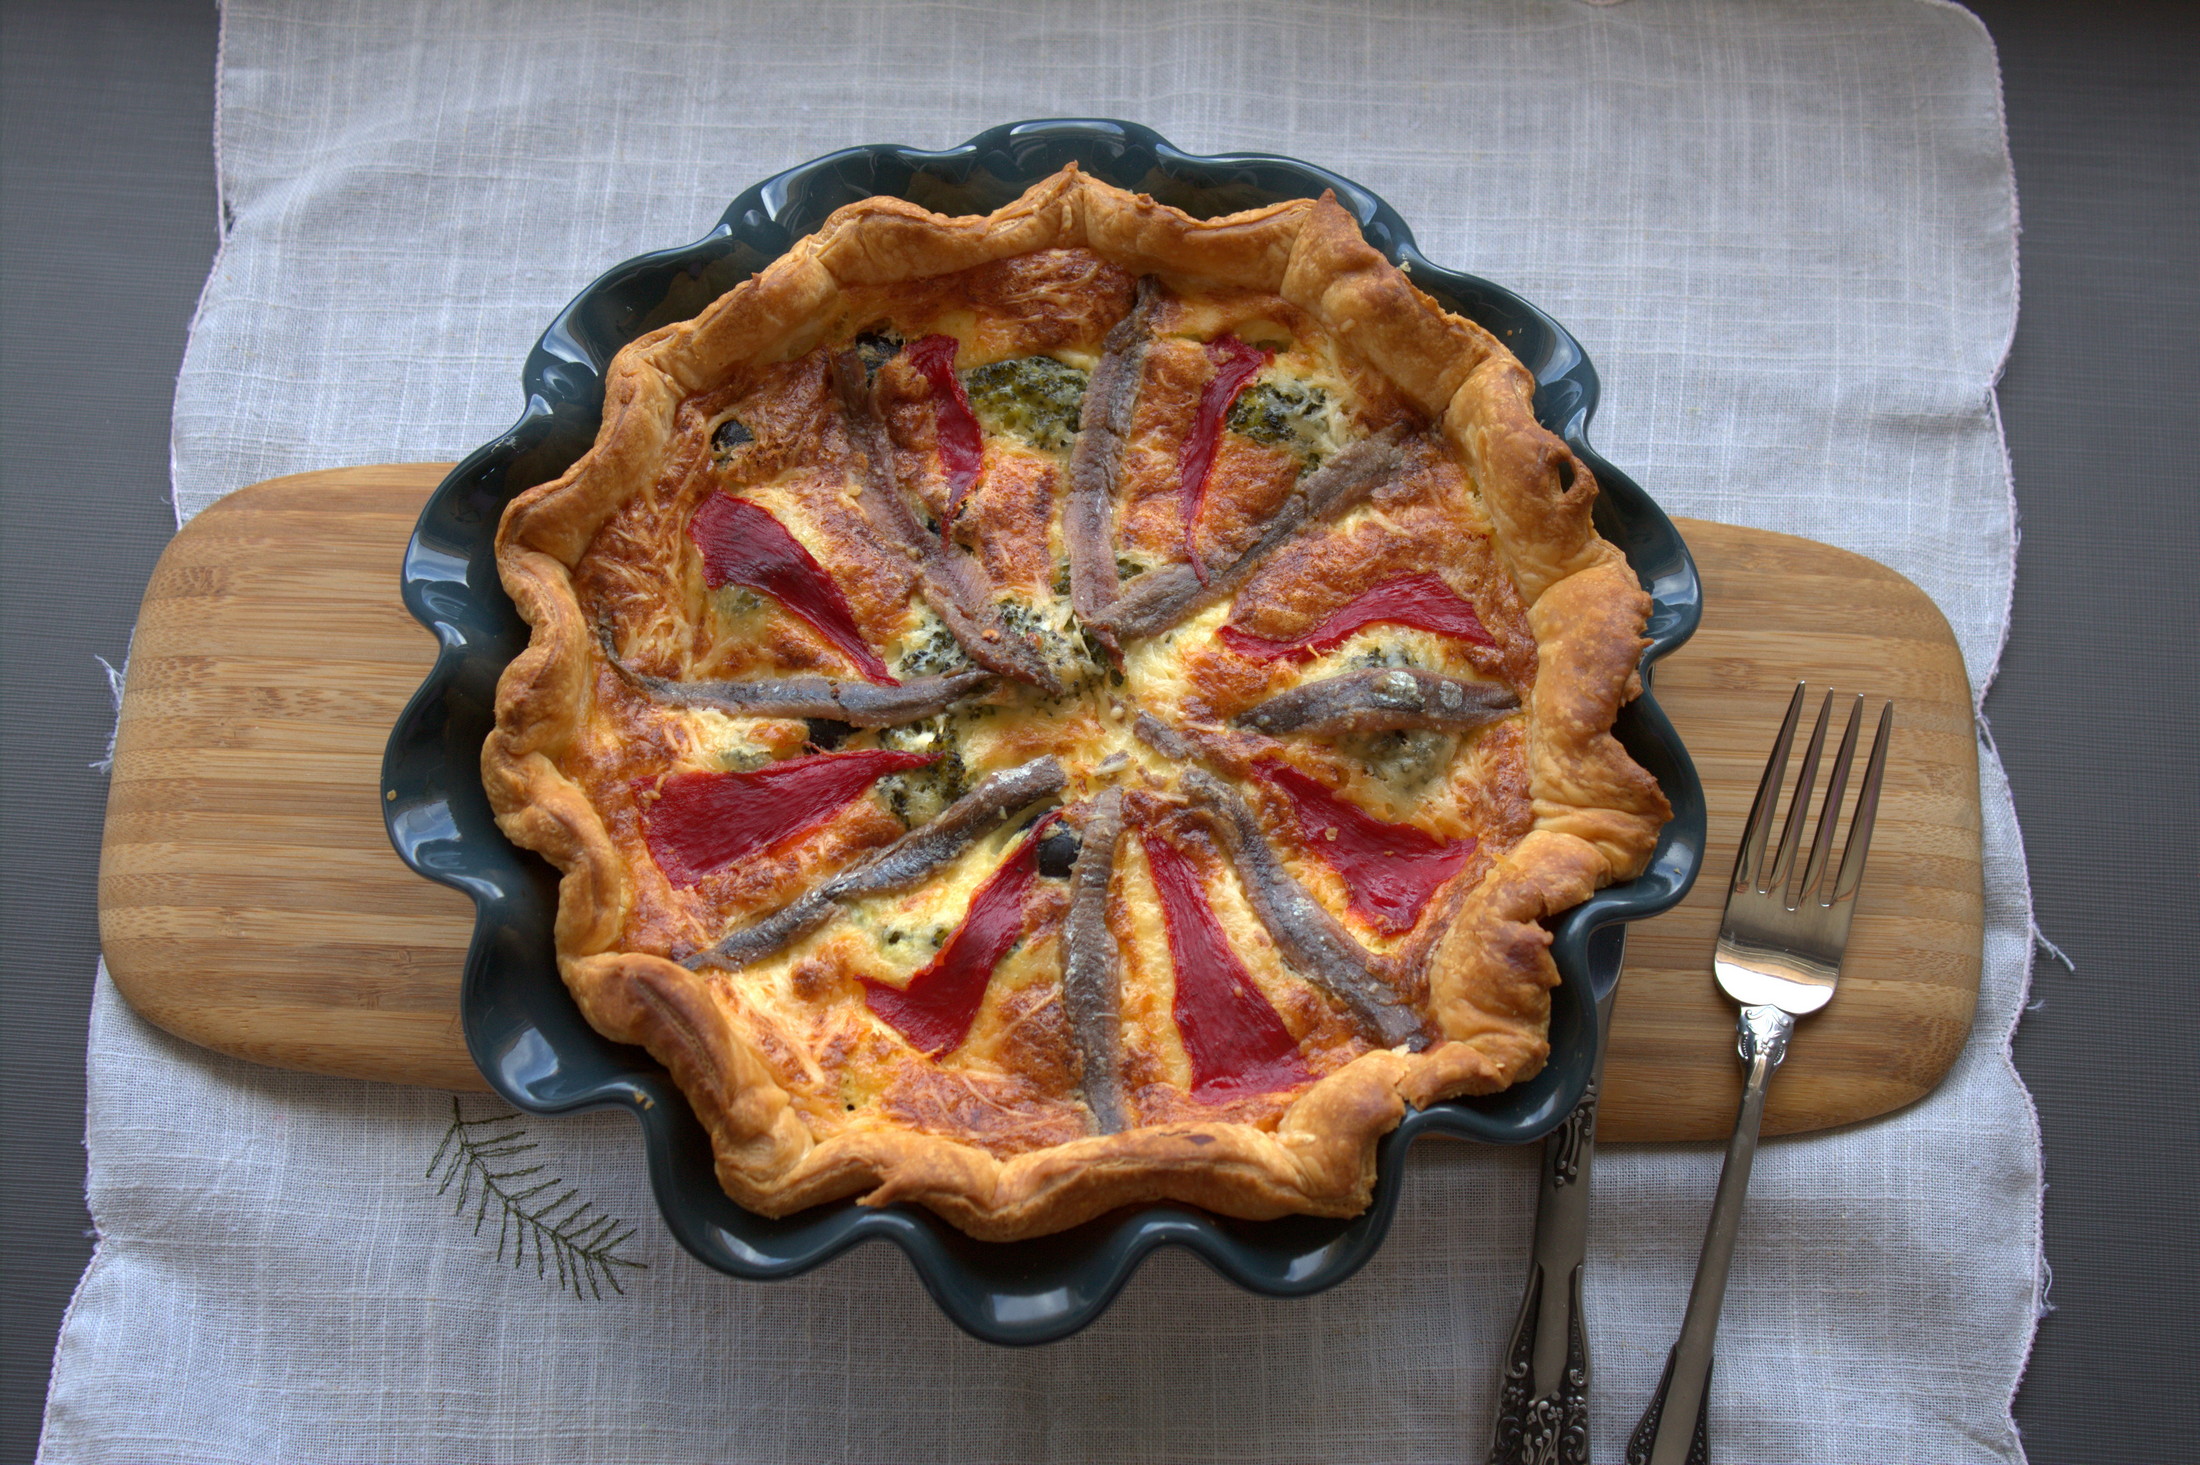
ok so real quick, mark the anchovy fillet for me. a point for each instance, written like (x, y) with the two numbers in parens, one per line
(950, 584)
(898, 866)
(1308, 936)
(859, 704)
(777, 931)
(1380, 700)
(1096, 463)
(1091, 967)
(960, 825)
(1163, 739)
(1165, 595)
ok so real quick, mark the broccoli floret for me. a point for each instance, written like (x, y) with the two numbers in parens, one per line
(1074, 654)
(920, 795)
(1283, 413)
(934, 653)
(1380, 656)
(1024, 619)
(1035, 398)
(1406, 759)
(917, 795)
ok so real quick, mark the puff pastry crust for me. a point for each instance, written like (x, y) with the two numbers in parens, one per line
(1095, 627)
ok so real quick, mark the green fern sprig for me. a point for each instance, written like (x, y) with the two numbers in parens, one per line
(537, 1215)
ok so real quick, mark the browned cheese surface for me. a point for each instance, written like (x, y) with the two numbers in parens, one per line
(1014, 1082)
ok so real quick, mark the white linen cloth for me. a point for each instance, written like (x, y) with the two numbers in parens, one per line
(1785, 234)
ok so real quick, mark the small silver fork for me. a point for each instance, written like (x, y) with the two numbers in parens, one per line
(1780, 959)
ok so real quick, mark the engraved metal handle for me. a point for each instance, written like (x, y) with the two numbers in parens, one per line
(1673, 1430)
(1543, 1404)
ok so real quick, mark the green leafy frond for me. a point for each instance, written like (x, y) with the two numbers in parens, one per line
(483, 1165)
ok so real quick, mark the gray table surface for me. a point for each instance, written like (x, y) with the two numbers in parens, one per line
(107, 227)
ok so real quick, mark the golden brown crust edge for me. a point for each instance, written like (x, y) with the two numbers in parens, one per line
(1596, 812)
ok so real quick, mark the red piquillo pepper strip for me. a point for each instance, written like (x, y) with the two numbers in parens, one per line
(699, 823)
(1235, 364)
(955, 426)
(1389, 870)
(935, 1010)
(744, 545)
(1235, 1040)
(1423, 602)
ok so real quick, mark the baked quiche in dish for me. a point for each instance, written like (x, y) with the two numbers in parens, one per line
(1070, 707)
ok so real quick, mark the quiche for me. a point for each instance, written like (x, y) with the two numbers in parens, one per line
(1070, 707)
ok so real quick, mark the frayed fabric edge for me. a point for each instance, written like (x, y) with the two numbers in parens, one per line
(117, 678)
(2042, 1275)
(98, 1233)
(223, 221)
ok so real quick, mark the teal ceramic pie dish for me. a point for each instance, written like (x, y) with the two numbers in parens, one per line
(523, 1029)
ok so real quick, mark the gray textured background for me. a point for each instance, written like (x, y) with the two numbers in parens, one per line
(108, 229)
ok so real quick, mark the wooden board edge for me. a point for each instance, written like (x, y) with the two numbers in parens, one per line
(423, 1061)
(1952, 1028)
(1787, 1112)
(415, 1047)
(302, 493)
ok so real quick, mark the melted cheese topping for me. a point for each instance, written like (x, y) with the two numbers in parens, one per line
(1012, 1084)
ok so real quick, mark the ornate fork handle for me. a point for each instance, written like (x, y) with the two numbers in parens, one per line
(1543, 1404)
(1672, 1431)
(1543, 1407)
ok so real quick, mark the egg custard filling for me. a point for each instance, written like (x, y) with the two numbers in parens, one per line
(1067, 708)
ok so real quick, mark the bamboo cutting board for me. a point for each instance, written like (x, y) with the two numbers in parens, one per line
(249, 899)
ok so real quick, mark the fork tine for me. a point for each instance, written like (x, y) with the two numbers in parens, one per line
(1867, 810)
(1791, 833)
(1830, 809)
(1759, 827)
(1779, 961)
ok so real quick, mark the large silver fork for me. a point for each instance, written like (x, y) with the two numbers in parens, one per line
(1779, 957)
